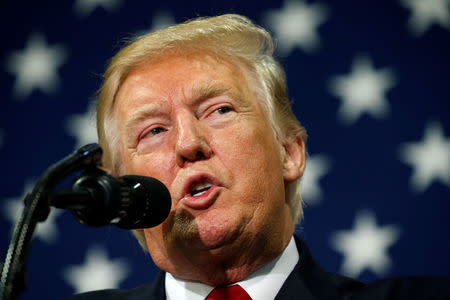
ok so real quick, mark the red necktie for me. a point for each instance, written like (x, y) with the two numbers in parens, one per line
(235, 292)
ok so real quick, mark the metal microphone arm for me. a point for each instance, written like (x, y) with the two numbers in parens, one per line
(36, 210)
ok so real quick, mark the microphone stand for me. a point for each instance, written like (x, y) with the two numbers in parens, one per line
(37, 209)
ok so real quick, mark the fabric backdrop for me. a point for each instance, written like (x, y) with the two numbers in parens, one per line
(369, 80)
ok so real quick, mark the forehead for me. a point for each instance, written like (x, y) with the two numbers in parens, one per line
(168, 75)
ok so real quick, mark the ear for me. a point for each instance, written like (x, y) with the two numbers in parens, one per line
(294, 159)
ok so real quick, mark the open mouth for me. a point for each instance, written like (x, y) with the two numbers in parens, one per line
(200, 188)
(200, 191)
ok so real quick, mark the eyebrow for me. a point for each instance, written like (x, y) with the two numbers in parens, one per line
(141, 114)
(199, 93)
(211, 90)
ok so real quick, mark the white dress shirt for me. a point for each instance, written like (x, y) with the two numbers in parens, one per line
(263, 284)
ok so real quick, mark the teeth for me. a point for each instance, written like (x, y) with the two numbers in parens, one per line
(200, 188)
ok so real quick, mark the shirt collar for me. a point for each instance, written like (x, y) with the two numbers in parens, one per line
(264, 283)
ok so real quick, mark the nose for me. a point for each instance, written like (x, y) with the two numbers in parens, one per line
(191, 143)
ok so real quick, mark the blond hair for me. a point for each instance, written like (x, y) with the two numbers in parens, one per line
(231, 37)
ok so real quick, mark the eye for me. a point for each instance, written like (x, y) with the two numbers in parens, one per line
(223, 110)
(218, 114)
(156, 130)
(152, 132)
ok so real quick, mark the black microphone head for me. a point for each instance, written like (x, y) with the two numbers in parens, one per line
(145, 201)
(103, 197)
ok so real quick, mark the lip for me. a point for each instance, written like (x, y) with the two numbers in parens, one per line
(204, 200)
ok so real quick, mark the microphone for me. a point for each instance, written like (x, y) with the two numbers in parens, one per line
(129, 202)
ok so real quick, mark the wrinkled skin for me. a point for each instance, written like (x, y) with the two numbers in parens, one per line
(194, 120)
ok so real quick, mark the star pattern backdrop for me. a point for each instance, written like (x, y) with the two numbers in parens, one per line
(368, 79)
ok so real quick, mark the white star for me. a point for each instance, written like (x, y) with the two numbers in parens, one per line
(430, 158)
(365, 247)
(362, 91)
(425, 13)
(296, 25)
(83, 127)
(46, 231)
(84, 8)
(97, 272)
(36, 67)
(316, 167)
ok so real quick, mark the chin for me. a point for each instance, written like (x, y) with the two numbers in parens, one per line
(211, 229)
(219, 231)
(213, 237)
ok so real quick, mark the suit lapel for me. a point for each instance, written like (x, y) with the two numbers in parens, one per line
(157, 289)
(309, 281)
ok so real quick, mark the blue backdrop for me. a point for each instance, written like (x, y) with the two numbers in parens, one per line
(369, 80)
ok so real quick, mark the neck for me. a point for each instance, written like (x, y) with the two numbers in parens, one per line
(224, 266)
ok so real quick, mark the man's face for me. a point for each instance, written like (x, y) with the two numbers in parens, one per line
(194, 124)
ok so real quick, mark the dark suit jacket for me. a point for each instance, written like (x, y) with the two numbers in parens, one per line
(306, 282)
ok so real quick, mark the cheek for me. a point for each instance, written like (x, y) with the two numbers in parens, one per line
(157, 165)
(253, 157)
(254, 147)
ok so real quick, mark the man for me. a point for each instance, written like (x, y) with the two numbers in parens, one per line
(202, 106)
